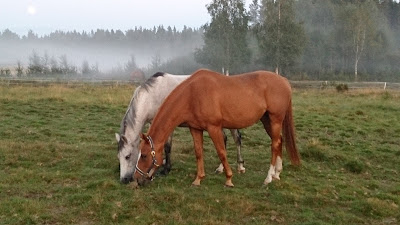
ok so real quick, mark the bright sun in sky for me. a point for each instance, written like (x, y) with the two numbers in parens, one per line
(31, 10)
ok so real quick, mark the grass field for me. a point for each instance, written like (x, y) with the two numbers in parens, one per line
(58, 164)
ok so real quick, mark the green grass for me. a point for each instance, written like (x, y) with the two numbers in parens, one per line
(58, 164)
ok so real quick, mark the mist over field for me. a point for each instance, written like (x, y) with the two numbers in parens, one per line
(107, 54)
(302, 40)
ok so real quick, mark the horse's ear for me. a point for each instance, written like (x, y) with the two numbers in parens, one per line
(117, 137)
(123, 138)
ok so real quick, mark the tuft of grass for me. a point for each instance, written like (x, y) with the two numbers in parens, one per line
(315, 151)
(354, 167)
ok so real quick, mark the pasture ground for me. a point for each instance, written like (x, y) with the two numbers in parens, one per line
(58, 164)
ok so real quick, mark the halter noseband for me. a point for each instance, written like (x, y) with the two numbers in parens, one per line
(154, 166)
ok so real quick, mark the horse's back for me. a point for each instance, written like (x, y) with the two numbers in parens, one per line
(247, 96)
(263, 84)
(259, 78)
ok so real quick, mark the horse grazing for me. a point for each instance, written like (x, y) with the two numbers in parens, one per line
(142, 108)
(209, 101)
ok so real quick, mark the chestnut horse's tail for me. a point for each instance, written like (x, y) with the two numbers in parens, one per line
(289, 136)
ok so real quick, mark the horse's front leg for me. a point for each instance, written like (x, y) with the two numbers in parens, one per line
(220, 168)
(167, 161)
(218, 140)
(197, 136)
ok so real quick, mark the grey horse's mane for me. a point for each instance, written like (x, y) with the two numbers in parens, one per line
(130, 114)
(149, 82)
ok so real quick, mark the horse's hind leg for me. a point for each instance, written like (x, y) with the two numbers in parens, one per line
(218, 140)
(237, 137)
(167, 150)
(198, 148)
(273, 126)
(238, 141)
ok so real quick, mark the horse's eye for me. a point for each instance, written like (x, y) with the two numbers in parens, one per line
(143, 156)
(128, 157)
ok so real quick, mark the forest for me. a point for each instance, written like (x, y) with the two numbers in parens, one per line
(351, 40)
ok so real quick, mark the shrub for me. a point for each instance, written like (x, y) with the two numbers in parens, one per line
(342, 87)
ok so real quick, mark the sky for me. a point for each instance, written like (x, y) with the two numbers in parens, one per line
(45, 16)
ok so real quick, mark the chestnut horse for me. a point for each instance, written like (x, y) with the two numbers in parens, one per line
(209, 101)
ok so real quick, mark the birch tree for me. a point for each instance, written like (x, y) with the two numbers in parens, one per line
(225, 37)
(359, 29)
(281, 38)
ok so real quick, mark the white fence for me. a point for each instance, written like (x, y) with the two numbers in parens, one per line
(46, 82)
(350, 85)
(295, 84)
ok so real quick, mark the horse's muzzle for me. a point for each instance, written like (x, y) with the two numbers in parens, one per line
(126, 179)
(143, 181)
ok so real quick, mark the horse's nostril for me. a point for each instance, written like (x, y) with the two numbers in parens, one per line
(125, 180)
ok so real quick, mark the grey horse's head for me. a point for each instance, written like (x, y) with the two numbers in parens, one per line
(127, 155)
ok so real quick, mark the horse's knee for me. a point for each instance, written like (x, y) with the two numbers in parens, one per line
(222, 155)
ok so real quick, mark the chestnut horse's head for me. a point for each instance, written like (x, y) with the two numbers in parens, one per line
(147, 163)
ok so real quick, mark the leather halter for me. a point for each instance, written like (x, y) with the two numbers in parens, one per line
(150, 172)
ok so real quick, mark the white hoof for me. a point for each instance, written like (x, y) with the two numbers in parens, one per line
(220, 169)
(271, 173)
(276, 177)
(268, 180)
(241, 168)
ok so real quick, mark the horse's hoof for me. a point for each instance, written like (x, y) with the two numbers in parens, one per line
(164, 172)
(217, 171)
(267, 180)
(276, 177)
(196, 183)
(229, 184)
(195, 186)
(241, 171)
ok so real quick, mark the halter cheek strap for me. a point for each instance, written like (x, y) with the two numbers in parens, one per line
(150, 172)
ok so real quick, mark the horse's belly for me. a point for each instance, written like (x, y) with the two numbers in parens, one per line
(243, 117)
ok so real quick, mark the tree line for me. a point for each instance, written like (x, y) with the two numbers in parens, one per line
(318, 39)
(302, 39)
(138, 36)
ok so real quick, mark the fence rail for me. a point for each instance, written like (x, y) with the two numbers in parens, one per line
(295, 84)
(350, 85)
(46, 82)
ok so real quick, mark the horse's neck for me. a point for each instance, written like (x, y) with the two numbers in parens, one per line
(133, 130)
(167, 118)
(145, 104)
(134, 121)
